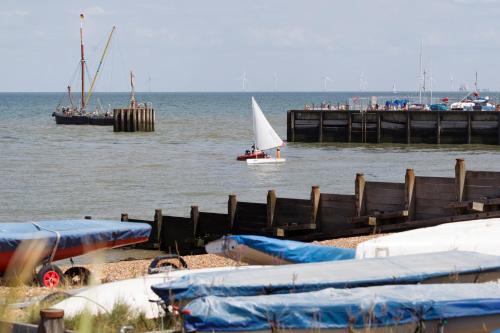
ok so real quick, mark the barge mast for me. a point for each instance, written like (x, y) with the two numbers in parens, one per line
(82, 61)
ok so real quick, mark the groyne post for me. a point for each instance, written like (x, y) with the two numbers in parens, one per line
(156, 230)
(271, 205)
(51, 321)
(195, 215)
(410, 193)
(315, 195)
(460, 179)
(231, 209)
(359, 193)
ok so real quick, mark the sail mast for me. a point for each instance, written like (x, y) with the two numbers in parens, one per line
(91, 90)
(82, 61)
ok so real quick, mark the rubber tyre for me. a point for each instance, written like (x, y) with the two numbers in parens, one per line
(50, 276)
(77, 276)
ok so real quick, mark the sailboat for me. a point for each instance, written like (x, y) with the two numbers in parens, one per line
(79, 115)
(265, 138)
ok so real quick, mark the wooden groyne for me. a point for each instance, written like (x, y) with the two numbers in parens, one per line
(434, 127)
(134, 120)
(375, 207)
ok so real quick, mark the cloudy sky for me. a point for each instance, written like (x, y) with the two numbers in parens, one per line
(199, 45)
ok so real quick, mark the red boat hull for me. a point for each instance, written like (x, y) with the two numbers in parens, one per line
(64, 253)
(257, 154)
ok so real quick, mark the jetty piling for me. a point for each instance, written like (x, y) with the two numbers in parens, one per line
(431, 127)
(140, 119)
(374, 207)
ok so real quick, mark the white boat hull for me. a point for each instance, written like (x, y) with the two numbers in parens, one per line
(265, 160)
(136, 293)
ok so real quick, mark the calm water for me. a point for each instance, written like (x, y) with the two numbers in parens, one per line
(49, 171)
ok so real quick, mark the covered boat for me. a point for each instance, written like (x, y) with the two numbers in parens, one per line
(478, 235)
(260, 250)
(139, 296)
(64, 239)
(454, 266)
(458, 308)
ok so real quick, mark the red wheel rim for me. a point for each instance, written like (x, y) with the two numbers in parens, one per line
(51, 279)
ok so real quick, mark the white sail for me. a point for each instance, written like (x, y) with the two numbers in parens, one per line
(265, 136)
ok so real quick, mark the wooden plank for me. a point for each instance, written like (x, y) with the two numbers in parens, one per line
(469, 128)
(435, 192)
(385, 195)
(392, 215)
(289, 211)
(408, 128)
(438, 128)
(327, 197)
(475, 206)
(349, 127)
(385, 186)
(212, 225)
(371, 220)
(474, 192)
(320, 136)
(470, 175)
(434, 180)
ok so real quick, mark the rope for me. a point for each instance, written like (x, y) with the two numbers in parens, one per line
(56, 244)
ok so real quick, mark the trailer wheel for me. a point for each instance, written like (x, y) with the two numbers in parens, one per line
(77, 276)
(50, 276)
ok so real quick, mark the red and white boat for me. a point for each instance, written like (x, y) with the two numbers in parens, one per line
(265, 138)
(249, 154)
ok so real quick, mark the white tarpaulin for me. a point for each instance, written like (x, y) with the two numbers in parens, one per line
(477, 235)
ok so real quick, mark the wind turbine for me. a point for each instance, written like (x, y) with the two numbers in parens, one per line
(325, 80)
(452, 84)
(244, 81)
(421, 74)
(362, 82)
(275, 81)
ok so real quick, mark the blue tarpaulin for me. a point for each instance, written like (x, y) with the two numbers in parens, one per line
(71, 233)
(334, 274)
(292, 251)
(344, 308)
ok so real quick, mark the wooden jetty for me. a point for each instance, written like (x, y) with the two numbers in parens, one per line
(433, 127)
(375, 207)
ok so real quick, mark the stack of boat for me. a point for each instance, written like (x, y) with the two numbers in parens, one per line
(438, 279)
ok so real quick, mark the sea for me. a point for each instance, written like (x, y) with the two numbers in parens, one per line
(50, 171)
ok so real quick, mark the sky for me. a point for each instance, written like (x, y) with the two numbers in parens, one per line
(284, 45)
